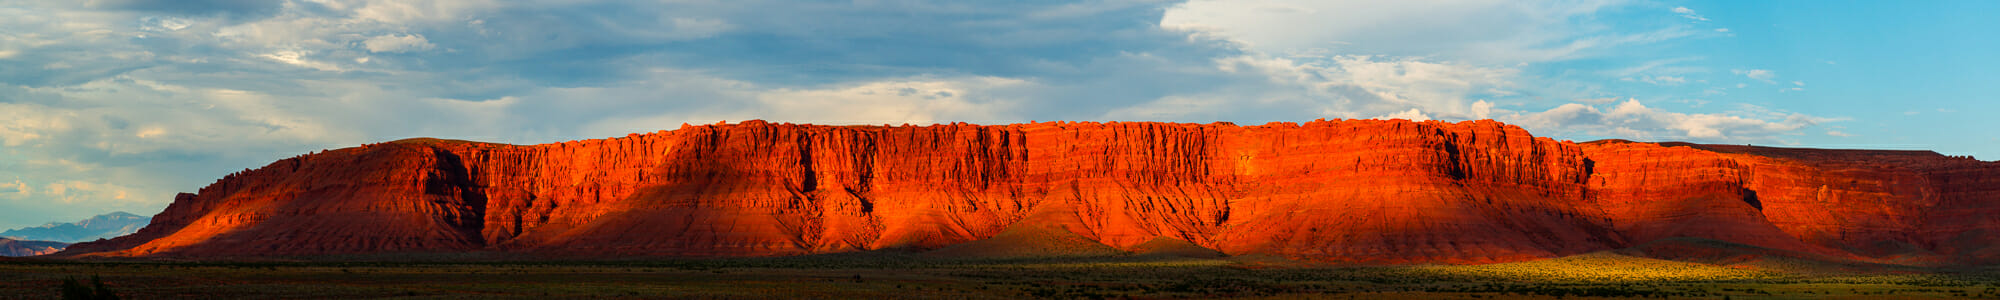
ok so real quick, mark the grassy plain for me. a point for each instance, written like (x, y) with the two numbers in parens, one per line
(898, 275)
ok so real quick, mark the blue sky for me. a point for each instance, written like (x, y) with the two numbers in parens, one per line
(110, 105)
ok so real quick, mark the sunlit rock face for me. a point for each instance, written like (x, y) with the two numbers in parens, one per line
(1890, 206)
(1368, 191)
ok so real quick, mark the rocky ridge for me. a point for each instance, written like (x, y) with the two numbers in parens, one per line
(103, 226)
(11, 247)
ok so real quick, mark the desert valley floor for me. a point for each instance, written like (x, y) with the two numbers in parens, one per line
(1603, 275)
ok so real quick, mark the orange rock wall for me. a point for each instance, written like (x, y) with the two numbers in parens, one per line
(1357, 190)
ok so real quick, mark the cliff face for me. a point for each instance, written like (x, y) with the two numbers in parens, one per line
(1358, 190)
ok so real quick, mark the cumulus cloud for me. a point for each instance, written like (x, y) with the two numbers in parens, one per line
(918, 101)
(1412, 115)
(1265, 88)
(1482, 109)
(1633, 119)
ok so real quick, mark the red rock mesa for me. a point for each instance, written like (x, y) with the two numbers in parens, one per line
(1366, 191)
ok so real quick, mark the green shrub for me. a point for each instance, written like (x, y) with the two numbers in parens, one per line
(73, 290)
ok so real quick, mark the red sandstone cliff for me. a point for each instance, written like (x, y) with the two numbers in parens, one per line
(1358, 190)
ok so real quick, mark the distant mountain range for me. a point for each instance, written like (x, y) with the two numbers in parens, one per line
(104, 226)
(10, 247)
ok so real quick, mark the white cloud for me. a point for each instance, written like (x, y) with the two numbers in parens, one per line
(150, 132)
(16, 189)
(409, 11)
(21, 123)
(1838, 133)
(58, 190)
(1666, 72)
(128, 144)
(1481, 31)
(1482, 109)
(1758, 74)
(919, 101)
(1664, 80)
(1412, 115)
(1799, 83)
(301, 58)
(398, 43)
(1434, 84)
(88, 193)
(1632, 119)
(1338, 86)
(157, 23)
(1689, 13)
(1722, 30)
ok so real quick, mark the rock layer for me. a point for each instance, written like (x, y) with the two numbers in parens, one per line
(1369, 191)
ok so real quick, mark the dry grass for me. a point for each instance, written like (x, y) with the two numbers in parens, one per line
(1607, 267)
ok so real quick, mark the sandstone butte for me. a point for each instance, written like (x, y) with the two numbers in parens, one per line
(1356, 191)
